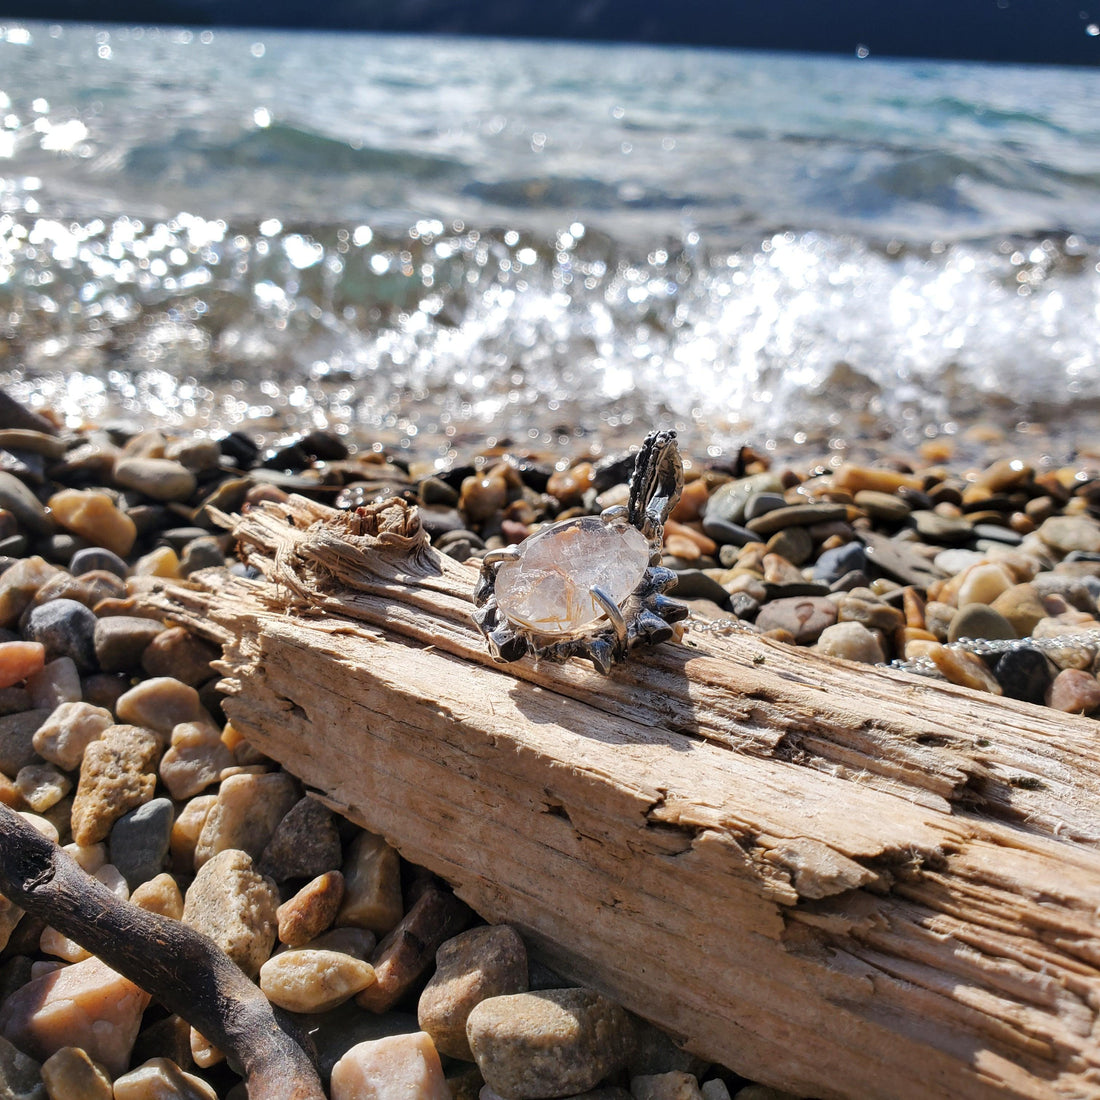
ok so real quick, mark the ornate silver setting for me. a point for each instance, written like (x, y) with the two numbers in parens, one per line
(644, 617)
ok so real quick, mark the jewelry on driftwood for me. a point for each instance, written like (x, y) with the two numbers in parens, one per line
(592, 586)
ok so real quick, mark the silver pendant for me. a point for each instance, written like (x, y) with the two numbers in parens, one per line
(592, 586)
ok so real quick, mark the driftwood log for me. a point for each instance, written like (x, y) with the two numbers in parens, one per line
(839, 880)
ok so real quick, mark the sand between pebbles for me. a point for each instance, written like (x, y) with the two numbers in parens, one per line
(112, 738)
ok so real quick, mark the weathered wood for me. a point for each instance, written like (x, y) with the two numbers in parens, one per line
(181, 968)
(837, 879)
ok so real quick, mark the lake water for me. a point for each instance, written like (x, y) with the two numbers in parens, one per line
(440, 239)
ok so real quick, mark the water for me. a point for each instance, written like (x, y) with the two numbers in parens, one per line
(440, 239)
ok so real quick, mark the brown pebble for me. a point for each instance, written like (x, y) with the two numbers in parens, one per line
(161, 704)
(186, 830)
(160, 894)
(963, 668)
(117, 774)
(483, 962)
(1074, 691)
(179, 654)
(409, 950)
(372, 885)
(305, 843)
(310, 911)
(69, 1074)
(248, 809)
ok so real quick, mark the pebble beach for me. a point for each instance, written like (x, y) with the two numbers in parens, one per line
(113, 742)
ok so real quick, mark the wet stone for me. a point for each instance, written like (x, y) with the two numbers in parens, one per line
(1025, 674)
(804, 515)
(309, 980)
(66, 628)
(897, 560)
(69, 1074)
(965, 669)
(728, 501)
(158, 478)
(1067, 533)
(19, 584)
(94, 558)
(531, 1046)
(66, 732)
(760, 504)
(483, 962)
(1022, 607)
(866, 608)
(120, 641)
(804, 617)
(695, 584)
(235, 906)
(978, 620)
(942, 530)
(396, 1067)
(90, 589)
(833, 564)
(305, 843)
(20, 1075)
(727, 534)
(16, 498)
(139, 840)
(311, 910)
(162, 1079)
(882, 506)
(116, 775)
(94, 516)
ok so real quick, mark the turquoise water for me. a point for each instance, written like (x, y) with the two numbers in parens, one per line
(441, 236)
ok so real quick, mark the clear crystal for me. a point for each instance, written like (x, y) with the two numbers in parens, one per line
(548, 589)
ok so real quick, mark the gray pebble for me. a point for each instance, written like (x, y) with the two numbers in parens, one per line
(942, 530)
(804, 515)
(728, 501)
(139, 841)
(979, 620)
(120, 640)
(833, 564)
(692, 584)
(96, 557)
(158, 478)
(760, 504)
(726, 533)
(24, 505)
(66, 628)
(803, 616)
(17, 739)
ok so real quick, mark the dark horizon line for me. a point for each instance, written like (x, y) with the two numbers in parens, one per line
(504, 36)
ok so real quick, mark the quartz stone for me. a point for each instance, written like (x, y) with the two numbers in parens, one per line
(548, 588)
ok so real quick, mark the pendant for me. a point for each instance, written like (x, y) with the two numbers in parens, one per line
(590, 586)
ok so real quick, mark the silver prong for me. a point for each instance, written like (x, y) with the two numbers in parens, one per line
(501, 555)
(611, 610)
(617, 513)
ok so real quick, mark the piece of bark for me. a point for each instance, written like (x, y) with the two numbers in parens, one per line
(842, 881)
(185, 971)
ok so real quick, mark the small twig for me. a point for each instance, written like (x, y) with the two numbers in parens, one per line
(181, 968)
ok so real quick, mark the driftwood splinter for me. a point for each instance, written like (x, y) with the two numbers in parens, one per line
(184, 970)
(840, 880)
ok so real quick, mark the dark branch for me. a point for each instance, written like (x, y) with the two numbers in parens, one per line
(181, 968)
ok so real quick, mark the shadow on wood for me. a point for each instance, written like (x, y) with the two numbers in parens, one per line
(840, 880)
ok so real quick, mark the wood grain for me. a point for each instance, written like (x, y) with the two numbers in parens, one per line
(840, 880)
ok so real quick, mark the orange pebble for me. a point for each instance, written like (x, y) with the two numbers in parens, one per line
(18, 660)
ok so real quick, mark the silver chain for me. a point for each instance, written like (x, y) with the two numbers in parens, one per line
(924, 666)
